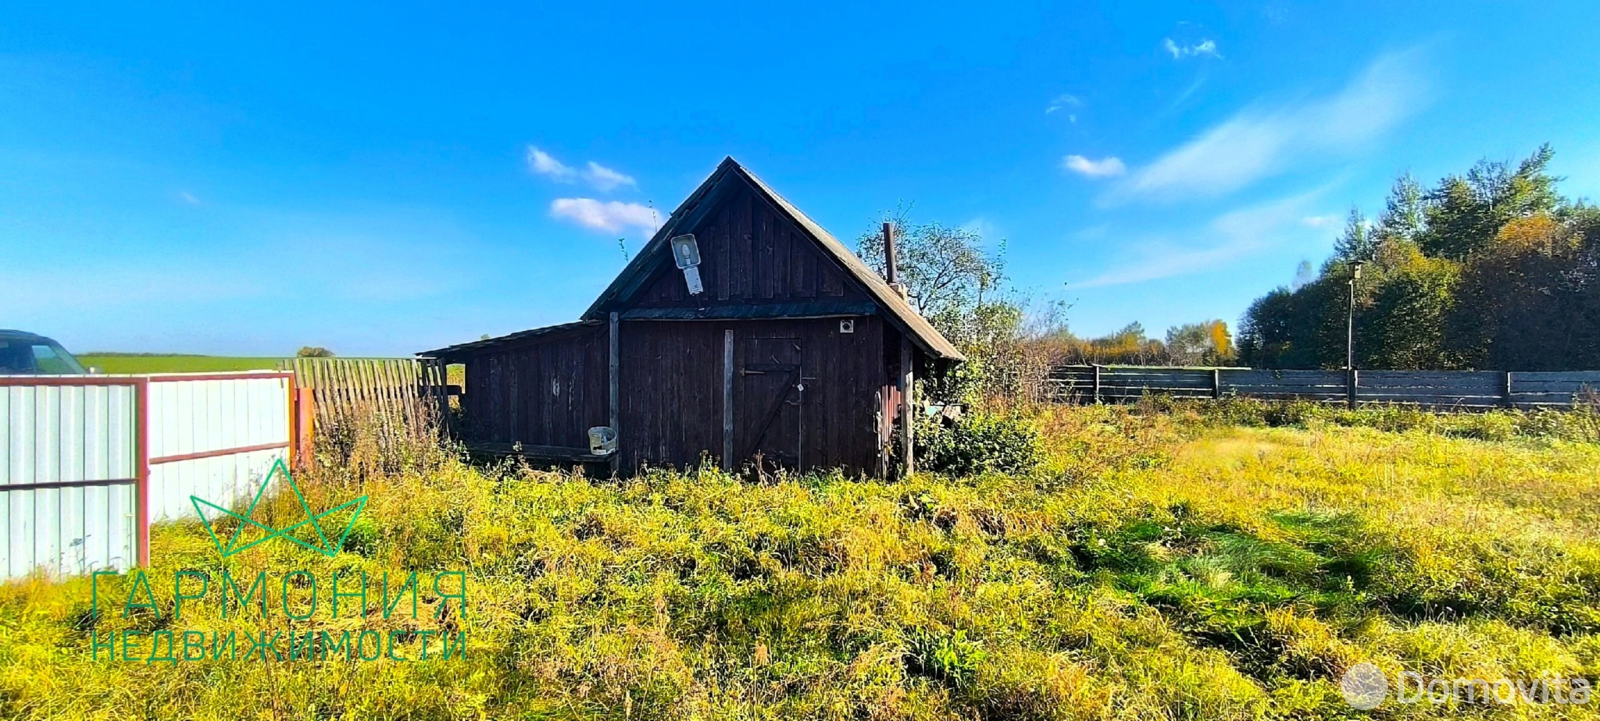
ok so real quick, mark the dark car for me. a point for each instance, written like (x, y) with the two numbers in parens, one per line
(28, 354)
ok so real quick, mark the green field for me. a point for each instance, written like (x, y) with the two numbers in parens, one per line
(1160, 565)
(141, 363)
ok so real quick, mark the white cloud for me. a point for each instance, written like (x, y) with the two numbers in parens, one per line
(1204, 48)
(188, 198)
(1319, 221)
(609, 216)
(542, 163)
(1257, 143)
(605, 178)
(1230, 236)
(599, 176)
(1064, 102)
(1103, 168)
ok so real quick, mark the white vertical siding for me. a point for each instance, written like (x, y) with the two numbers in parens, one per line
(66, 434)
(207, 416)
(76, 433)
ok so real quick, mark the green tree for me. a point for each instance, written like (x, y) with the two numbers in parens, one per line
(945, 269)
(1403, 325)
(1204, 343)
(953, 282)
(1527, 301)
(1466, 212)
(1405, 211)
(1488, 269)
(1358, 241)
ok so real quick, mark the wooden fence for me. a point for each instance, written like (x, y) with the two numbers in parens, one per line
(1434, 389)
(339, 389)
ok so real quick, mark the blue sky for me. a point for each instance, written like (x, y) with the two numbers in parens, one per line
(385, 179)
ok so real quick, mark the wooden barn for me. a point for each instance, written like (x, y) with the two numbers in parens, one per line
(742, 330)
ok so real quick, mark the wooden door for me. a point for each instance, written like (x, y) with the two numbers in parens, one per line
(769, 401)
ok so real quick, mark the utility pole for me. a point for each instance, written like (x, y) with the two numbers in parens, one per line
(1350, 320)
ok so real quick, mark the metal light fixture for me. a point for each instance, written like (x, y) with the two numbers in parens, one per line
(686, 253)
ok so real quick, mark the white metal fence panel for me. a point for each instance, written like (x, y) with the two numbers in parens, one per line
(214, 437)
(68, 474)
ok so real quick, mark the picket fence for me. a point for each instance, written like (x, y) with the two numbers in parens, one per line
(404, 389)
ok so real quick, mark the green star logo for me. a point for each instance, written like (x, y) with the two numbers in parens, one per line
(314, 520)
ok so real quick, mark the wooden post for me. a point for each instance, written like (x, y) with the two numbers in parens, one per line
(880, 416)
(907, 415)
(891, 273)
(305, 425)
(1216, 382)
(616, 391)
(442, 369)
(1507, 392)
(1352, 381)
(1097, 384)
(727, 400)
(141, 470)
(291, 409)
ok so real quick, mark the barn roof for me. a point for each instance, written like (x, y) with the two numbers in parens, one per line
(656, 253)
(897, 310)
(549, 331)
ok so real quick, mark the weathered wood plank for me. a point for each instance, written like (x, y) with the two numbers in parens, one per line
(727, 400)
(1592, 377)
(1519, 385)
(814, 309)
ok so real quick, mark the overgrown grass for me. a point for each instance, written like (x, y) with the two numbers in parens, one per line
(1581, 422)
(1155, 566)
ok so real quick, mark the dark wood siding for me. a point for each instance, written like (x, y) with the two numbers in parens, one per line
(783, 297)
(672, 375)
(671, 385)
(547, 393)
(750, 253)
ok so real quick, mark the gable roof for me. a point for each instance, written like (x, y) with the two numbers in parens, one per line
(656, 253)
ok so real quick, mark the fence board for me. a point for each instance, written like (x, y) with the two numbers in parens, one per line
(1518, 385)
(1440, 389)
(1591, 377)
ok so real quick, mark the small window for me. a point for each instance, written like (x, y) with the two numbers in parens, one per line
(54, 361)
(23, 358)
(15, 358)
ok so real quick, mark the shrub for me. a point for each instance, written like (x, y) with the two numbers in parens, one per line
(948, 657)
(979, 443)
(362, 538)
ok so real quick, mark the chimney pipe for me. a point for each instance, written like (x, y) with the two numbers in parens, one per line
(893, 274)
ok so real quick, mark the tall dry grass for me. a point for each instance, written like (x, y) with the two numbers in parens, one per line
(1156, 566)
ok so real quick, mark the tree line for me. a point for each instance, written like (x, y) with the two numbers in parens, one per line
(1490, 269)
(1011, 343)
